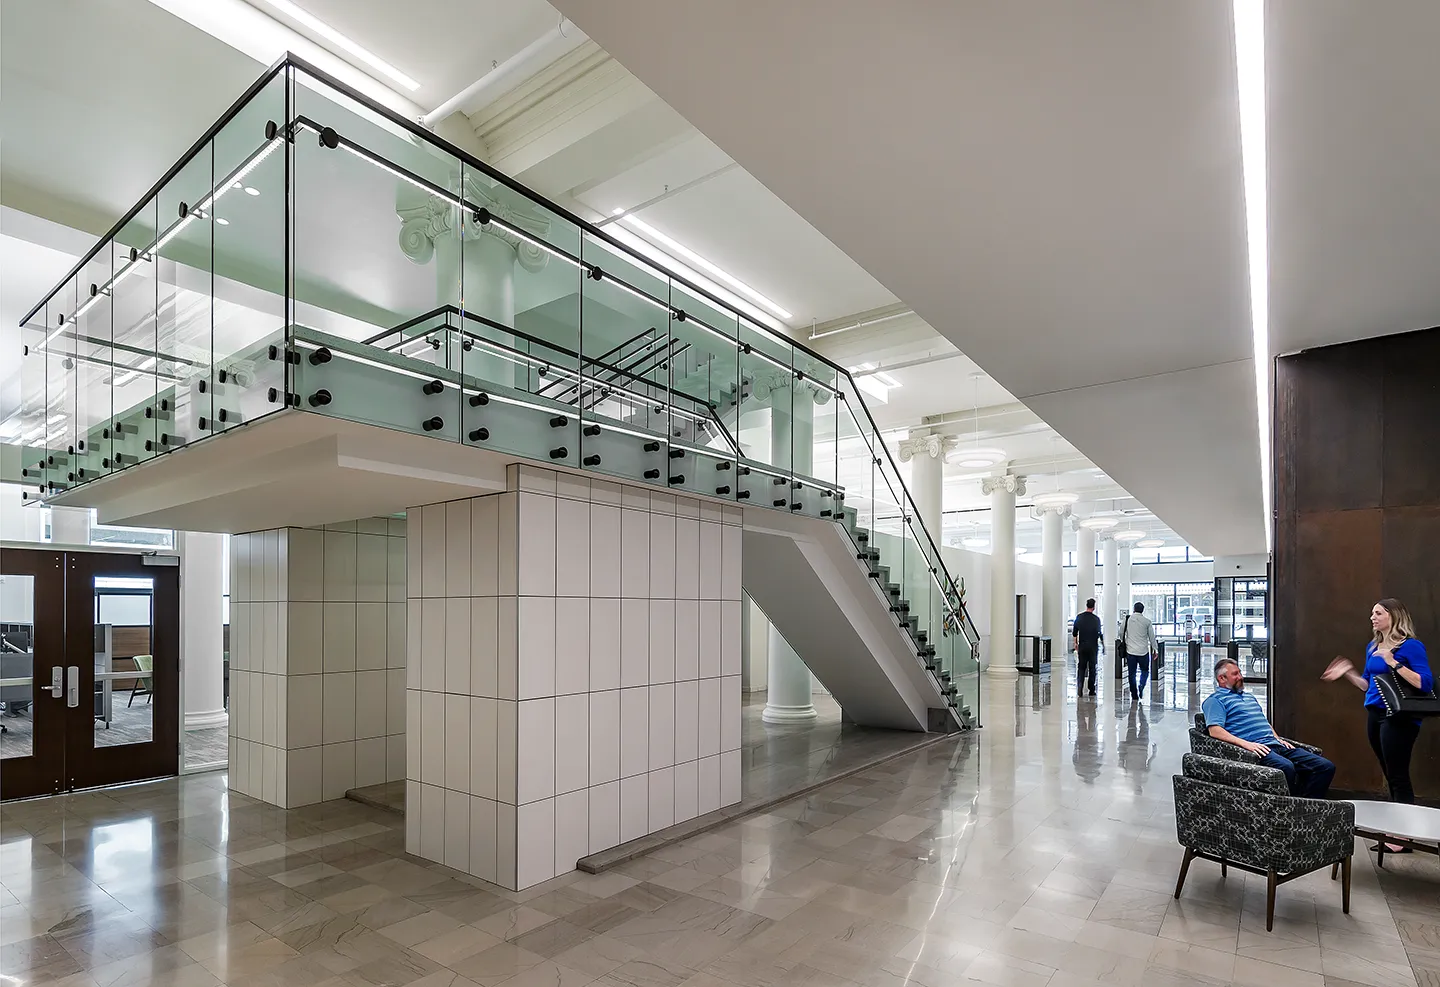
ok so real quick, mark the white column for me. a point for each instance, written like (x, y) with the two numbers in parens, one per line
(1084, 566)
(70, 525)
(1052, 577)
(788, 696)
(202, 628)
(792, 427)
(1002, 491)
(1109, 603)
(926, 456)
(1123, 576)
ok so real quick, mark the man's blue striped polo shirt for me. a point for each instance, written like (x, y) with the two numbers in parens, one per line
(1239, 713)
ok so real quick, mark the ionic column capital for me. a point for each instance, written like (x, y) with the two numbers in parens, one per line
(934, 446)
(426, 217)
(1009, 483)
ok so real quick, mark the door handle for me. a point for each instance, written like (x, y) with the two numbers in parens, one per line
(72, 694)
(57, 681)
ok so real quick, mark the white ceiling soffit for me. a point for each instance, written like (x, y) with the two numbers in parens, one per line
(1354, 137)
(1055, 187)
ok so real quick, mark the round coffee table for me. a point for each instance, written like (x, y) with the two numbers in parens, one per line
(1416, 827)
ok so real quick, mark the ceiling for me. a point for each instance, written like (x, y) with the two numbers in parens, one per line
(1057, 191)
(1056, 188)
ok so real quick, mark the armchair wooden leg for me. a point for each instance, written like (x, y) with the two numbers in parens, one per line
(1270, 901)
(1334, 870)
(1345, 884)
(1184, 869)
(1224, 869)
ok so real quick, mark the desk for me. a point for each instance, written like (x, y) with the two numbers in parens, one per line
(1414, 826)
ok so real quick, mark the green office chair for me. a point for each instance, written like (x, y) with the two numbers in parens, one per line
(145, 667)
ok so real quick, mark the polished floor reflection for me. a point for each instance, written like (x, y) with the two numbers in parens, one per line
(1037, 851)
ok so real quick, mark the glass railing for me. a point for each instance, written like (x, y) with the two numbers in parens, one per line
(315, 251)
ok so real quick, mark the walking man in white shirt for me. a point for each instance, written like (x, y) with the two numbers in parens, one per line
(1137, 637)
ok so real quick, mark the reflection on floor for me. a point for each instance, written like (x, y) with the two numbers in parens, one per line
(777, 759)
(1037, 851)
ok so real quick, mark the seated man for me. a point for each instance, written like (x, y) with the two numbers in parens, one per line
(1235, 716)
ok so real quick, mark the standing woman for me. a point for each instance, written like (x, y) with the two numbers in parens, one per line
(1394, 649)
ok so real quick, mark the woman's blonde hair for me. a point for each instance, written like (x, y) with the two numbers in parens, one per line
(1401, 626)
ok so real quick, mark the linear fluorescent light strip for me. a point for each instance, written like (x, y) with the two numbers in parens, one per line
(1250, 85)
(342, 42)
(690, 255)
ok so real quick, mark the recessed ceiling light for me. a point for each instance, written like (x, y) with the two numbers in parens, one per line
(1129, 535)
(977, 457)
(1150, 543)
(222, 220)
(1249, 21)
(1058, 498)
(1099, 523)
(251, 190)
(340, 41)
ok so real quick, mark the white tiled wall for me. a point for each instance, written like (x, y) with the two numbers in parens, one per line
(574, 673)
(317, 660)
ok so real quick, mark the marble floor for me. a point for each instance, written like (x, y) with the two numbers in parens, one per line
(1037, 852)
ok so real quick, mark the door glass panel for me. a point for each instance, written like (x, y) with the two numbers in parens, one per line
(17, 663)
(124, 660)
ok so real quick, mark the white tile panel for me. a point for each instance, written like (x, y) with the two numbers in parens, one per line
(662, 726)
(604, 745)
(536, 746)
(572, 743)
(634, 731)
(536, 647)
(662, 799)
(457, 548)
(457, 743)
(572, 548)
(572, 829)
(535, 843)
(573, 632)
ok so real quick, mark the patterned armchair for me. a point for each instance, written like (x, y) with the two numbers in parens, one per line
(1242, 815)
(1202, 743)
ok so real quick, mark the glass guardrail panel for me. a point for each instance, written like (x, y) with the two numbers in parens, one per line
(144, 371)
(59, 397)
(822, 381)
(90, 373)
(184, 309)
(767, 379)
(30, 431)
(346, 378)
(245, 218)
(376, 243)
(705, 391)
(626, 346)
(855, 442)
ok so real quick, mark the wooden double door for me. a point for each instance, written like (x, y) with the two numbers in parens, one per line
(89, 669)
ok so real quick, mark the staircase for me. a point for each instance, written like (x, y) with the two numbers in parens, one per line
(873, 612)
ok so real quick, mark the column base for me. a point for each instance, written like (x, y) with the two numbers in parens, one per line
(206, 719)
(1002, 671)
(788, 714)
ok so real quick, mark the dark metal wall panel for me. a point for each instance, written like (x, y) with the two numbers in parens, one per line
(1357, 518)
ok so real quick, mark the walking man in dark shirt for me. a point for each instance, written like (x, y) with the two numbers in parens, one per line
(1089, 635)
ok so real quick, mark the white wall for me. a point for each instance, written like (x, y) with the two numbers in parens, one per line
(573, 672)
(317, 660)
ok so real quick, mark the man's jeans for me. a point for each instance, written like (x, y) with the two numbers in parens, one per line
(1307, 773)
(1141, 662)
(1085, 668)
